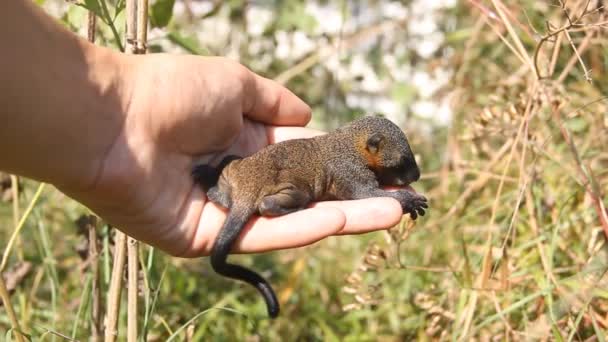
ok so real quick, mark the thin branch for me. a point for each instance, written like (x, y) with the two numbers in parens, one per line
(552, 33)
(572, 62)
(578, 56)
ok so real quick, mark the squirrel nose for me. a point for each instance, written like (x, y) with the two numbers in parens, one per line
(414, 175)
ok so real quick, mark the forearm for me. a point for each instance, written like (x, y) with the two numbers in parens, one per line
(62, 103)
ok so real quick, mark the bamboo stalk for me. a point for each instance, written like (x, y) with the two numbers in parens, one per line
(114, 293)
(95, 289)
(133, 262)
(142, 26)
(131, 26)
(136, 38)
(96, 327)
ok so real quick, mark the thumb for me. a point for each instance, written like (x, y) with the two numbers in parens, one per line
(267, 101)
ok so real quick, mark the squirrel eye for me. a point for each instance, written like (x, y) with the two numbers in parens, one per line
(373, 142)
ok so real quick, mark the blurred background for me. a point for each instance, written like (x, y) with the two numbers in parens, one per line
(504, 104)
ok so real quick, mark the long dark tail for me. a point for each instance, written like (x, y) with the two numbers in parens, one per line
(223, 245)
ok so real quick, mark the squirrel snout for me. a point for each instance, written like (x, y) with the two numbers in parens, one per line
(414, 175)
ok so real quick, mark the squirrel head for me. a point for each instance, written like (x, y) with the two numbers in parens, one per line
(387, 152)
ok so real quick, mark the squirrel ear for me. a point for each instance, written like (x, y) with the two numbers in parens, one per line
(373, 142)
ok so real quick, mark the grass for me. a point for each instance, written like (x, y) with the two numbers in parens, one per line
(514, 246)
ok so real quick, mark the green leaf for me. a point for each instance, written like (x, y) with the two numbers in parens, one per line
(93, 6)
(118, 8)
(162, 11)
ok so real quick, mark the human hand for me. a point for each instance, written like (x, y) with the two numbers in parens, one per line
(121, 134)
(184, 110)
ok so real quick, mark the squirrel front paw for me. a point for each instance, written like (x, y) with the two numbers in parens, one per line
(414, 204)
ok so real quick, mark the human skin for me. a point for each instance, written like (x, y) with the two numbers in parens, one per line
(120, 134)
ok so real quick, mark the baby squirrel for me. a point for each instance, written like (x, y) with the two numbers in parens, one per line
(352, 162)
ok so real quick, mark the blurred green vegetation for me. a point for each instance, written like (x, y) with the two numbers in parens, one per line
(512, 246)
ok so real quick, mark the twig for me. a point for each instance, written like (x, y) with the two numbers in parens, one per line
(555, 55)
(552, 33)
(581, 48)
(578, 56)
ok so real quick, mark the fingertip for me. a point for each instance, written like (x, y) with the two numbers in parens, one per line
(367, 215)
(277, 133)
(290, 231)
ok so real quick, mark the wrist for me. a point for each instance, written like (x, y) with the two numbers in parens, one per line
(103, 112)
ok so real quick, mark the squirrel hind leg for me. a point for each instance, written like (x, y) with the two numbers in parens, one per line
(222, 198)
(286, 199)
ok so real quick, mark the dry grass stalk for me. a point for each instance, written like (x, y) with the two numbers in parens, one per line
(16, 212)
(585, 173)
(500, 8)
(4, 295)
(10, 312)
